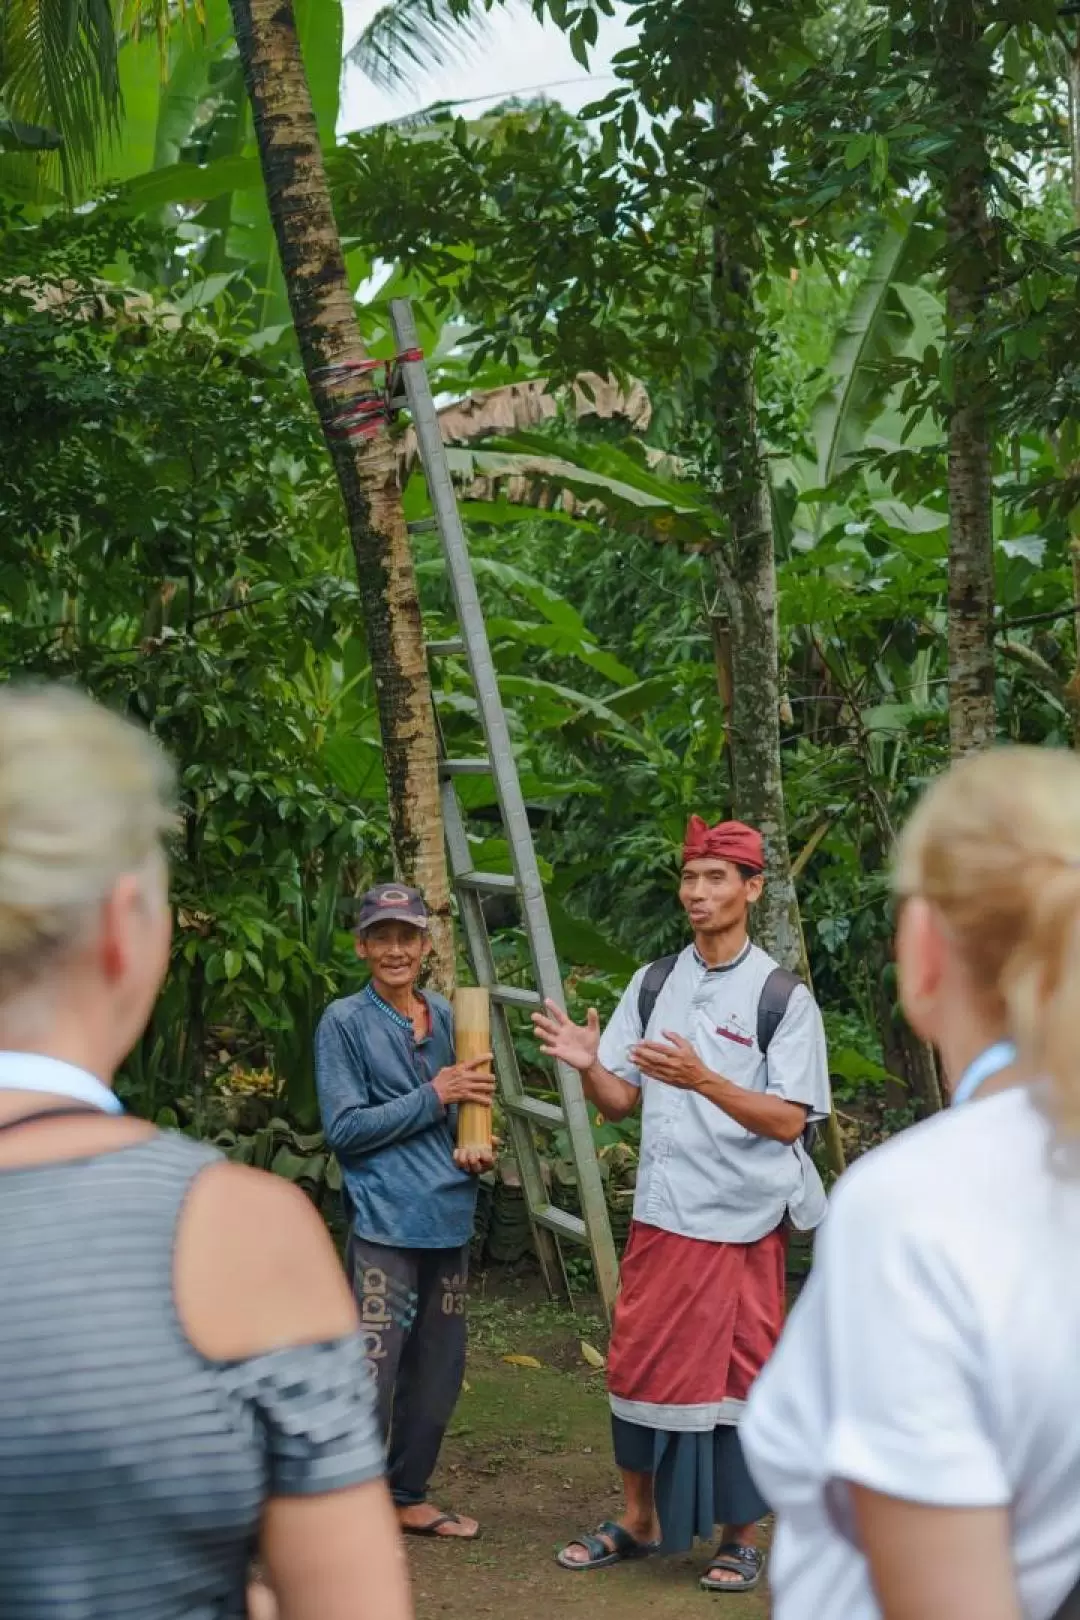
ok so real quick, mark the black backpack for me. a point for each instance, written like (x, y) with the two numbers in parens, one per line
(772, 1005)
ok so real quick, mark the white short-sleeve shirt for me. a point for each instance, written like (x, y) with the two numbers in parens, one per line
(700, 1173)
(932, 1357)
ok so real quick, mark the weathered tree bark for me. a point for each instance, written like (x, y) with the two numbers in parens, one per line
(366, 467)
(906, 1057)
(720, 632)
(746, 576)
(1073, 689)
(964, 66)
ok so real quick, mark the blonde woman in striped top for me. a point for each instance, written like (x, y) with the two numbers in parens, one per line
(181, 1379)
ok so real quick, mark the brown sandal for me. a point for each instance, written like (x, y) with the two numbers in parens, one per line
(433, 1530)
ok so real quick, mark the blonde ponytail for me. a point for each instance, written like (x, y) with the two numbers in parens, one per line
(84, 798)
(994, 846)
(1041, 987)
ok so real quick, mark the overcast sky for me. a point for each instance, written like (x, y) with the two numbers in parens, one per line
(518, 54)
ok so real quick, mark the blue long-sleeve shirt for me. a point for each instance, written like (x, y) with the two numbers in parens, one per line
(382, 1117)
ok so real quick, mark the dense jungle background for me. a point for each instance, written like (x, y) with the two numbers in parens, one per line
(790, 314)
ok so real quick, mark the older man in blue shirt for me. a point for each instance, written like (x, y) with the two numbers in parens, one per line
(388, 1086)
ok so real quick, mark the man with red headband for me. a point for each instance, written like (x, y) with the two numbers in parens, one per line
(726, 1055)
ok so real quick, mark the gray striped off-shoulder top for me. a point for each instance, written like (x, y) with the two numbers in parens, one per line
(133, 1471)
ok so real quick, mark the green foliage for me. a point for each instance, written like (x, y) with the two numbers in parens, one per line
(763, 186)
(173, 548)
(61, 88)
(58, 68)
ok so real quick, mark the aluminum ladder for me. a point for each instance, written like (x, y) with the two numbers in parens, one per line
(410, 385)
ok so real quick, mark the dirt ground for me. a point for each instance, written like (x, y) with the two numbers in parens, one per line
(528, 1454)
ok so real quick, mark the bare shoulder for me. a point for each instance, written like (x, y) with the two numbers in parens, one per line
(255, 1269)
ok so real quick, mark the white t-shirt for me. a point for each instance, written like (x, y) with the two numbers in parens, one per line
(933, 1356)
(700, 1174)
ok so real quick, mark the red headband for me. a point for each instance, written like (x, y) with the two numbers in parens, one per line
(727, 841)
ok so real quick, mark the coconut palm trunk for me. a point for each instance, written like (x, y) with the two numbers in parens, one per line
(364, 462)
(965, 67)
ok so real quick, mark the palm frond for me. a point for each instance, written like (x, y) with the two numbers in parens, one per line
(406, 37)
(58, 67)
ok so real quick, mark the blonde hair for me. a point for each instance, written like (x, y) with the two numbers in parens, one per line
(994, 847)
(84, 798)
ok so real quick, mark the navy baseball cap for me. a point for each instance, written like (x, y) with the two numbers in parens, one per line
(392, 902)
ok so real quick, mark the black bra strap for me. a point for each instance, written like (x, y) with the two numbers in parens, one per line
(48, 1113)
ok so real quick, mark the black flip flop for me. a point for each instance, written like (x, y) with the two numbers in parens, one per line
(431, 1531)
(746, 1562)
(622, 1549)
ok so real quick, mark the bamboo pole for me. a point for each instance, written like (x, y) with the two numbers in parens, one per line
(472, 1039)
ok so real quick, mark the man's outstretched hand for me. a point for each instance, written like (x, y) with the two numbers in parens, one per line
(566, 1042)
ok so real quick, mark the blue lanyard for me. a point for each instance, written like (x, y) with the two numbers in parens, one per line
(31, 1071)
(996, 1058)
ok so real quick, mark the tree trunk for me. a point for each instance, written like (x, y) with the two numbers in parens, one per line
(965, 69)
(896, 1089)
(755, 728)
(1073, 688)
(908, 1058)
(921, 1070)
(720, 632)
(746, 577)
(365, 463)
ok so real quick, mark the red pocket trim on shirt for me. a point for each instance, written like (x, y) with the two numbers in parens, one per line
(733, 1035)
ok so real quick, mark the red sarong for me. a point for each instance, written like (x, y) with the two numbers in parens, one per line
(694, 1324)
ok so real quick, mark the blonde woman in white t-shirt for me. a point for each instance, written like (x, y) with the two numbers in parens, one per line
(918, 1429)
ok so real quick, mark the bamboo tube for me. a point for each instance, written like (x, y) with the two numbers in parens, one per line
(472, 1039)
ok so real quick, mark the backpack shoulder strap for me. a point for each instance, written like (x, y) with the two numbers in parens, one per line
(773, 1003)
(776, 992)
(657, 975)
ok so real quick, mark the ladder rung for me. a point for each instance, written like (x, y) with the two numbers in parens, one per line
(559, 1222)
(465, 767)
(445, 649)
(544, 1113)
(508, 995)
(496, 882)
